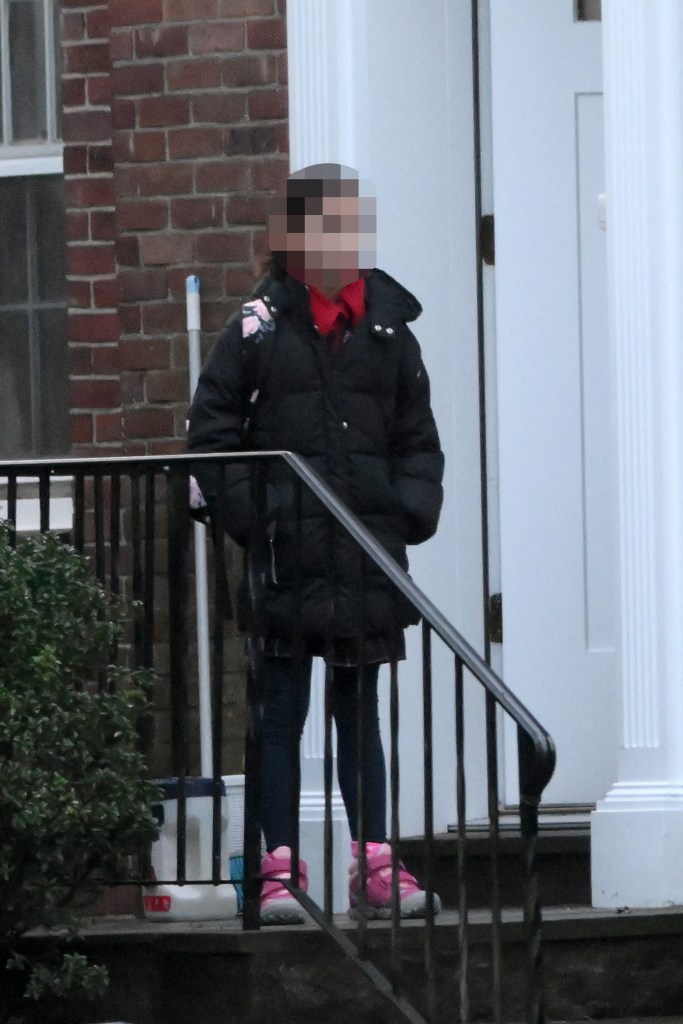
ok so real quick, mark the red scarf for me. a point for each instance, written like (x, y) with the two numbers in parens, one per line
(332, 316)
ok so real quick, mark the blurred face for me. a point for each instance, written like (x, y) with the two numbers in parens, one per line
(330, 243)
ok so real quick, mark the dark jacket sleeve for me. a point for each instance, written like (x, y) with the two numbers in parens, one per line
(216, 417)
(416, 459)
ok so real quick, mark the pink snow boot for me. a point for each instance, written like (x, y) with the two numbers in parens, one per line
(378, 899)
(278, 906)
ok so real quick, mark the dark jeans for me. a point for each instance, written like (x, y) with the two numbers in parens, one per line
(286, 696)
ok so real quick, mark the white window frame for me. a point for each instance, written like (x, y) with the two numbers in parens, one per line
(21, 159)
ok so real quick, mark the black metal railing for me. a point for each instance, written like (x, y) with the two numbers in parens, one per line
(131, 516)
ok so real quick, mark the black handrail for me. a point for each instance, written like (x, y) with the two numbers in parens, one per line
(536, 750)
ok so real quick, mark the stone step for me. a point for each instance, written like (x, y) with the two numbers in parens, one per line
(562, 863)
(598, 964)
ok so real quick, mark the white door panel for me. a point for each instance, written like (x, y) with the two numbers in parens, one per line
(556, 435)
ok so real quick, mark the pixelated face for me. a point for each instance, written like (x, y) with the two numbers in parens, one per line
(325, 239)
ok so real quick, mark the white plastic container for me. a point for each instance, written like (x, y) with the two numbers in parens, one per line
(192, 902)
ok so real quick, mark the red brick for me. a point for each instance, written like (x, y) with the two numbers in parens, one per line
(136, 285)
(219, 108)
(282, 69)
(161, 41)
(145, 354)
(142, 215)
(197, 213)
(252, 141)
(189, 10)
(93, 327)
(99, 90)
(86, 58)
(282, 6)
(163, 179)
(161, 111)
(217, 37)
(128, 251)
(193, 74)
(167, 249)
(140, 423)
(214, 314)
(131, 319)
(106, 360)
(270, 174)
(223, 247)
(77, 226)
(132, 385)
(139, 147)
(225, 176)
(86, 125)
(254, 69)
(191, 142)
(102, 226)
(167, 386)
(266, 35)
(80, 360)
(73, 92)
(249, 208)
(259, 244)
(122, 44)
(282, 133)
(163, 318)
(108, 427)
(75, 159)
(167, 447)
(90, 260)
(267, 104)
(238, 282)
(105, 293)
(79, 293)
(95, 394)
(80, 428)
(73, 26)
(135, 12)
(122, 113)
(139, 80)
(97, 23)
(100, 159)
(244, 8)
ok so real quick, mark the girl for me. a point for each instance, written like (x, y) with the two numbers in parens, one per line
(345, 387)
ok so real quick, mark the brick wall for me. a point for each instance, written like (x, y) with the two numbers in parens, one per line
(176, 134)
(175, 127)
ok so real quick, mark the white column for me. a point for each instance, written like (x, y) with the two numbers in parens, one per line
(327, 58)
(637, 830)
(326, 62)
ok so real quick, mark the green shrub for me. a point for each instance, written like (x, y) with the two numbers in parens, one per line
(74, 798)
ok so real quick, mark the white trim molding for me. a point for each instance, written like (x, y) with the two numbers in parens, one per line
(637, 830)
(15, 165)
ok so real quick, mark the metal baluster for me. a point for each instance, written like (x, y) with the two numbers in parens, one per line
(461, 795)
(528, 807)
(361, 791)
(79, 511)
(178, 539)
(394, 774)
(430, 964)
(150, 568)
(328, 835)
(136, 539)
(219, 614)
(44, 498)
(253, 752)
(494, 838)
(99, 526)
(12, 506)
(297, 642)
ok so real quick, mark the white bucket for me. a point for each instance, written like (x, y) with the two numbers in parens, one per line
(194, 902)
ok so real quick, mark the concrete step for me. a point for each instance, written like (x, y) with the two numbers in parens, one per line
(562, 863)
(598, 965)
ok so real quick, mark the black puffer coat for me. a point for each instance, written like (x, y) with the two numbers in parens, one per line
(362, 419)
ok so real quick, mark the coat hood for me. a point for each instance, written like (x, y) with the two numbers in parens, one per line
(388, 302)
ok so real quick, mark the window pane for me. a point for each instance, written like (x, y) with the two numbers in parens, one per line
(54, 383)
(15, 393)
(13, 254)
(48, 195)
(589, 10)
(27, 70)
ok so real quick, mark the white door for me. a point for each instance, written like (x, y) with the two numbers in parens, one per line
(556, 435)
